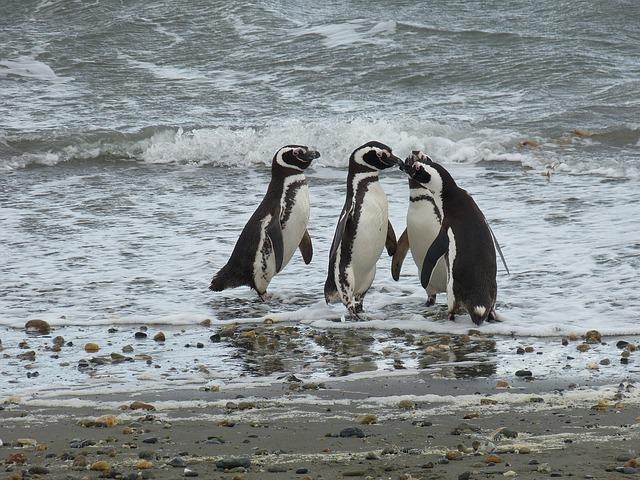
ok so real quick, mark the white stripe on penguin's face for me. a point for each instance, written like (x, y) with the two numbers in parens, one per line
(428, 177)
(295, 151)
(358, 156)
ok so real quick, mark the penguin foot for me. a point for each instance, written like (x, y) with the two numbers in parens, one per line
(452, 316)
(431, 300)
(265, 297)
(355, 313)
(493, 318)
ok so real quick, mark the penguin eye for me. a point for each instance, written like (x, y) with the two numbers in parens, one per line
(298, 151)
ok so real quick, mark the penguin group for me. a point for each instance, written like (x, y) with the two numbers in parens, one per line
(447, 234)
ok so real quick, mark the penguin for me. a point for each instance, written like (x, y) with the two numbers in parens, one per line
(464, 239)
(363, 228)
(276, 229)
(424, 218)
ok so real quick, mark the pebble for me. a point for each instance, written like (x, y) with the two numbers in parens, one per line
(100, 466)
(302, 471)
(140, 335)
(141, 406)
(367, 419)
(17, 458)
(159, 337)
(351, 432)
(38, 470)
(39, 327)
(406, 405)
(544, 468)
(150, 440)
(233, 462)
(627, 470)
(593, 336)
(464, 476)
(30, 356)
(144, 464)
(276, 469)
(25, 442)
(583, 347)
(91, 347)
(492, 459)
(127, 349)
(190, 473)
(454, 455)
(78, 443)
(524, 373)
(214, 441)
(177, 462)
(422, 423)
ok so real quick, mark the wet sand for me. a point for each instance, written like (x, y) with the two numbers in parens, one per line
(389, 427)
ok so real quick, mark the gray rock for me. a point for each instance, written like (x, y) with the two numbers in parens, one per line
(351, 432)
(276, 469)
(214, 441)
(37, 470)
(233, 462)
(627, 470)
(177, 462)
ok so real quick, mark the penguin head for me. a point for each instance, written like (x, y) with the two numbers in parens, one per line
(297, 157)
(374, 155)
(425, 171)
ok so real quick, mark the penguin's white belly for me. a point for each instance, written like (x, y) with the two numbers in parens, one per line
(264, 265)
(296, 224)
(422, 229)
(370, 237)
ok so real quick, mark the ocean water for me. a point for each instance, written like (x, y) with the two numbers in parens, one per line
(136, 139)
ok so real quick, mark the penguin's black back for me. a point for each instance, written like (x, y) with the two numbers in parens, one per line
(238, 270)
(474, 269)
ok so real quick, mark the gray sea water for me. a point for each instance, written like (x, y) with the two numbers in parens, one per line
(136, 138)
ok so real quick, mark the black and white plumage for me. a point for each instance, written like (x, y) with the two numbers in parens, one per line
(464, 239)
(424, 219)
(276, 229)
(363, 229)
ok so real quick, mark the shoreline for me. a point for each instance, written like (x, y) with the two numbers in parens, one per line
(382, 428)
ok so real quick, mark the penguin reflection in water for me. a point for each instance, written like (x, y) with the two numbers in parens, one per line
(276, 229)
(464, 239)
(363, 228)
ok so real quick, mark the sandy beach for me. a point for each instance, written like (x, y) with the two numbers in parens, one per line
(390, 427)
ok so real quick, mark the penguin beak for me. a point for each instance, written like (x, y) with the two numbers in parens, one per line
(311, 155)
(391, 161)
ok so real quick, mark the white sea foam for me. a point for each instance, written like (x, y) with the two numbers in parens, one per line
(166, 72)
(29, 67)
(350, 33)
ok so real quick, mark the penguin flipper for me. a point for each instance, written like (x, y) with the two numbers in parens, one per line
(399, 256)
(306, 248)
(274, 233)
(437, 249)
(330, 288)
(495, 240)
(390, 242)
(340, 228)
